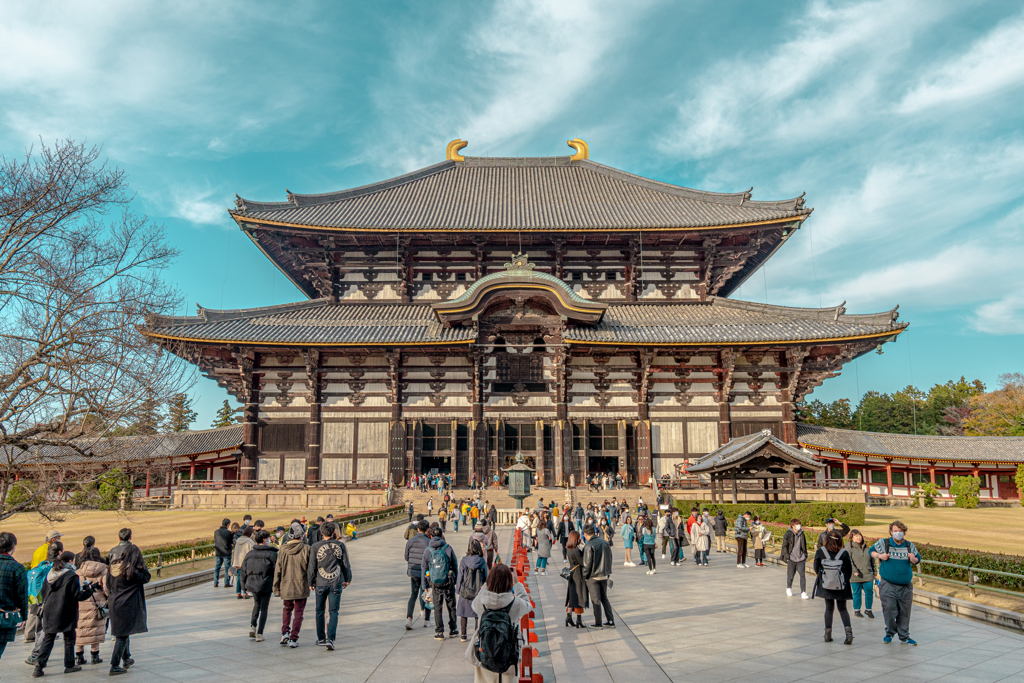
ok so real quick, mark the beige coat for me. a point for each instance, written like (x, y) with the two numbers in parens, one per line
(91, 629)
(242, 547)
(290, 580)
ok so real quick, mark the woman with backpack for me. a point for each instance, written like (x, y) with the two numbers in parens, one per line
(495, 649)
(92, 616)
(648, 539)
(471, 578)
(61, 593)
(126, 603)
(576, 595)
(834, 568)
(864, 572)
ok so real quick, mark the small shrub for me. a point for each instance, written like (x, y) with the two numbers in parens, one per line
(19, 492)
(1019, 480)
(965, 491)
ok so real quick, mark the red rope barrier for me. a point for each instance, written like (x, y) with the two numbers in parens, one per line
(521, 563)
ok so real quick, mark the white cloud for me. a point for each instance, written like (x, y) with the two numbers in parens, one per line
(991, 64)
(1005, 316)
(527, 62)
(825, 75)
(198, 207)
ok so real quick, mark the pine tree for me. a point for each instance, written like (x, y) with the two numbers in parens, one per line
(179, 413)
(225, 416)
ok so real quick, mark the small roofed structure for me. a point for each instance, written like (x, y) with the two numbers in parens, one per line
(760, 456)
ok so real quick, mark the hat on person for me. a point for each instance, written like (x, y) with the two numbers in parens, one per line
(830, 519)
(479, 526)
(280, 528)
(52, 534)
(296, 529)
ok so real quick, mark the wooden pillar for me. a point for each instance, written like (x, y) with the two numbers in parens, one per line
(417, 451)
(724, 423)
(192, 468)
(735, 498)
(250, 420)
(623, 472)
(713, 492)
(643, 446)
(792, 487)
(147, 479)
(931, 471)
(313, 438)
(888, 476)
(788, 418)
(396, 453)
(499, 452)
(585, 440)
(564, 435)
(455, 453)
(775, 489)
(172, 474)
(846, 466)
(765, 480)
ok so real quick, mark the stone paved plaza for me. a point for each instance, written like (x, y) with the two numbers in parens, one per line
(683, 624)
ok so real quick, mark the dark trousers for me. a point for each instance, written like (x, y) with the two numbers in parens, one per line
(3, 646)
(648, 550)
(328, 598)
(291, 617)
(47, 647)
(490, 557)
(121, 651)
(599, 598)
(260, 605)
(444, 594)
(793, 569)
(896, 602)
(226, 562)
(414, 595)
(830, 606)
(741, 551)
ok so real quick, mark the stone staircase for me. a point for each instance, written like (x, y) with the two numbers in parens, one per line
(503, 501)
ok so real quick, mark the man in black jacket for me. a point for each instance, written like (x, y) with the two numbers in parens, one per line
(222, 542)
(328, 573)
(830, 524)
(125, 536)
(414, 548)
(597, 570)
(258, 568)
(313, 535)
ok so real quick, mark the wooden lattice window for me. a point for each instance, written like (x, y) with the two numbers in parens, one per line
(526, 367)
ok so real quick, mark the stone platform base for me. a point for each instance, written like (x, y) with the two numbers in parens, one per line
(275, 499)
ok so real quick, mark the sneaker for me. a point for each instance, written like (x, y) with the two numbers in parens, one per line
(117, 670)
(37, 673)
(887, 640)
(320, 642)
(252, 632)
(293, 643)
(789, 592)
(857, 614)
(609, 624)
(216, 585)
(663, 556)
(648, 572)
(127, 662)
(739, 566)
(869, 614)
(654, 571)
(76, 667)
(805, 596)
(908, 641)
(31, 661)
(462, 638)
(284, 639)
(453, 634)
(408, 624)
(705, 564)
(439, 636)
(240, 596)
(329, 645)
(260, 638)
(673, 564)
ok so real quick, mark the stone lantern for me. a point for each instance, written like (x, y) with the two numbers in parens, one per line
(519, 481)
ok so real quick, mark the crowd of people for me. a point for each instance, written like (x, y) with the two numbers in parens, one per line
(85, 596)
(81, 597)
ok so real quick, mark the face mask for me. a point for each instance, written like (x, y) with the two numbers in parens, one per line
(830, 527)
(897, 535)
(797, 528)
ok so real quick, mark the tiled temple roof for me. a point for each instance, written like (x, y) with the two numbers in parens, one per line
(910, 446)
(736, 450)
(544, 193)
(717, 321)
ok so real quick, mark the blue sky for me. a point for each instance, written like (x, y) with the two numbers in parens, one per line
(900, 120)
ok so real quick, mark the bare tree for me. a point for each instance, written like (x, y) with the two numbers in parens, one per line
(79, 272)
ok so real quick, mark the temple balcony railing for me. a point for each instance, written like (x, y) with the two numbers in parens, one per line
(287, 484)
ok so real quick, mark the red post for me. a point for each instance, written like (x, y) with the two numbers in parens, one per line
(192, 469)
(846, 466)
(888, 475)
(147, 481)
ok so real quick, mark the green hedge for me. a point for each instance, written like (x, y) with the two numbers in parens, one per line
(810, 514)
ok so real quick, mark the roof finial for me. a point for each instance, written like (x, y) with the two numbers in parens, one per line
(520, 261)
(451, 152)
(581, 147)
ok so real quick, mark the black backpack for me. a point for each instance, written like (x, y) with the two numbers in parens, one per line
(472, 582)
(497, 641)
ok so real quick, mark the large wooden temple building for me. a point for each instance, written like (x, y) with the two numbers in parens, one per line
(481, 307)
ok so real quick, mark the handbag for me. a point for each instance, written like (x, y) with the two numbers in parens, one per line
(10, 619)
(101, 610)
(566, 573)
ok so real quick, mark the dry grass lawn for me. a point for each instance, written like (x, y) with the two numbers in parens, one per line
(999, 530)
(148, 528)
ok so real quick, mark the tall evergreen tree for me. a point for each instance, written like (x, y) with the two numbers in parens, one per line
(179, 413)
(225, 416)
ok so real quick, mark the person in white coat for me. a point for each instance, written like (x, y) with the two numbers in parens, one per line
(501, 589)
(700, 539)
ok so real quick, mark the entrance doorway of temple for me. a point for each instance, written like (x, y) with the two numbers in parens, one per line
(602, 464)
(435, 465)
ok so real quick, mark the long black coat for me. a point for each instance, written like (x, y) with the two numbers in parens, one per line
(126, 603)
(576, 592)
(60, 602)
(819, 592)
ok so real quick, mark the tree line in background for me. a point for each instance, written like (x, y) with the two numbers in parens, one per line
(956, 408)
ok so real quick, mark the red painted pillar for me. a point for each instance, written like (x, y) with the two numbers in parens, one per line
(846, 466)
(931, 471)
(888, 475)
(147, 481)
(192, 469)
